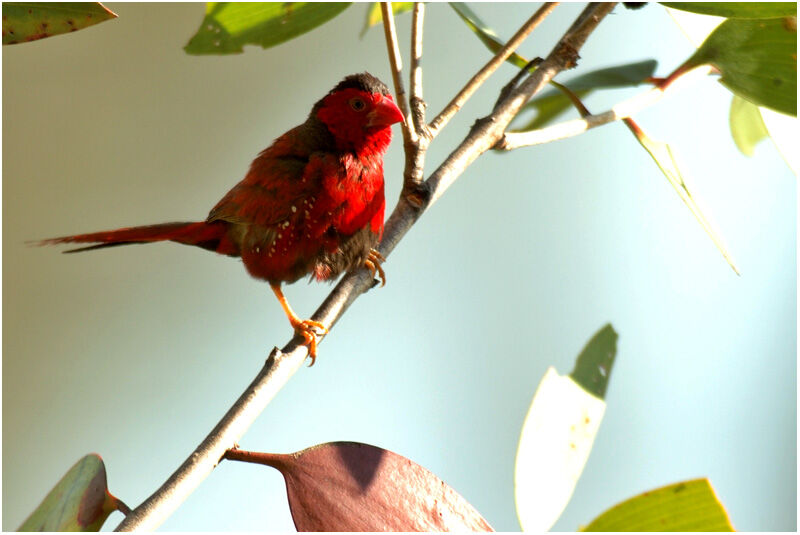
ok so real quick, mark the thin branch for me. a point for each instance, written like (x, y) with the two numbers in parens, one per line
(396, 63)
(627, 108)
(488, 131)
(415, 148)
(482, 75)
(415, 100)
(282, 364)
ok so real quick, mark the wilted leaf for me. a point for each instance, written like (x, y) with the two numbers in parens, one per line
(742, 10)
(747, 126)
(687, 506)
(757, 59)
(29, 21)
(80, 501)
(553, 102)
(558, 433)
(374, 15)
(347, 486)
(228, 26)
(665, 159)
(484, 33)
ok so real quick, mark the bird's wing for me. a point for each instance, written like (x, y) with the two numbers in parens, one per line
(272, 191)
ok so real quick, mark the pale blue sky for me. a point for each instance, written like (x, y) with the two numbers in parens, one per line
(136, 352)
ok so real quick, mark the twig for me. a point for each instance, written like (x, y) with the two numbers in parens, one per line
(476, 81)
(282, 364)
(415, 99)
(627, 108)
(488, 131)
(417, 146)
(396, 63)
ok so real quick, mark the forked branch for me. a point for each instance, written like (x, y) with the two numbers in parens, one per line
(282, 364)
(482, 75)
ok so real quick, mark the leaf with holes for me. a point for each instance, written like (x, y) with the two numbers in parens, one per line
(747, 125)
(551, 103)
(29, 21)
(757, 59)
(374, 15)
(80, 501)
(686, 506)
(558, 433)
(228, 26)
(348, 486)
(740, 10)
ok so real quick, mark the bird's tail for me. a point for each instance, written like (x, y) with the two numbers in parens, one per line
(212, 236)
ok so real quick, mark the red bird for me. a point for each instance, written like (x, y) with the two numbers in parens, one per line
(312, 203)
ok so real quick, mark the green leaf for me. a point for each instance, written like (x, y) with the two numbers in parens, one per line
(228, 26)
(29, 21)
(484, 33)
(593, 367)
(665, 159)
(757, 59)
(686, 506)
(80, 501)
(740, 10)
(551, 103)
(557, 435)
(747, 125)
(374, 15)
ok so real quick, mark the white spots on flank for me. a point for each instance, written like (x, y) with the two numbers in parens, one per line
(294, 208)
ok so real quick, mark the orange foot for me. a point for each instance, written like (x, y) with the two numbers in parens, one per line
(305, 328)
(373, 264)
(308, 330)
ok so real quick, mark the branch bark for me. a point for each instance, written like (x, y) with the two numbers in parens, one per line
(284, 363)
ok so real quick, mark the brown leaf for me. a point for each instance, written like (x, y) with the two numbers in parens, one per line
(348, 486)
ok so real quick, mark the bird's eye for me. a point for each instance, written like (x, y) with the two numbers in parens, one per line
(357, 104)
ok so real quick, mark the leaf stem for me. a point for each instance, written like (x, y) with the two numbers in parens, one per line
(256, 457)
(622, 110)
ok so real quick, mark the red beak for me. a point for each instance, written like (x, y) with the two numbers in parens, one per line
(384, 113)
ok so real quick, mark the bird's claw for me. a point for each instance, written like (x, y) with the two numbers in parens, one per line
(308, 330)
(373, 264)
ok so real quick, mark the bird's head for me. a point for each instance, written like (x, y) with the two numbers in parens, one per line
(359, 113)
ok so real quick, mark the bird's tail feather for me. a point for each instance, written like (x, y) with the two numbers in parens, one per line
(211, 236)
